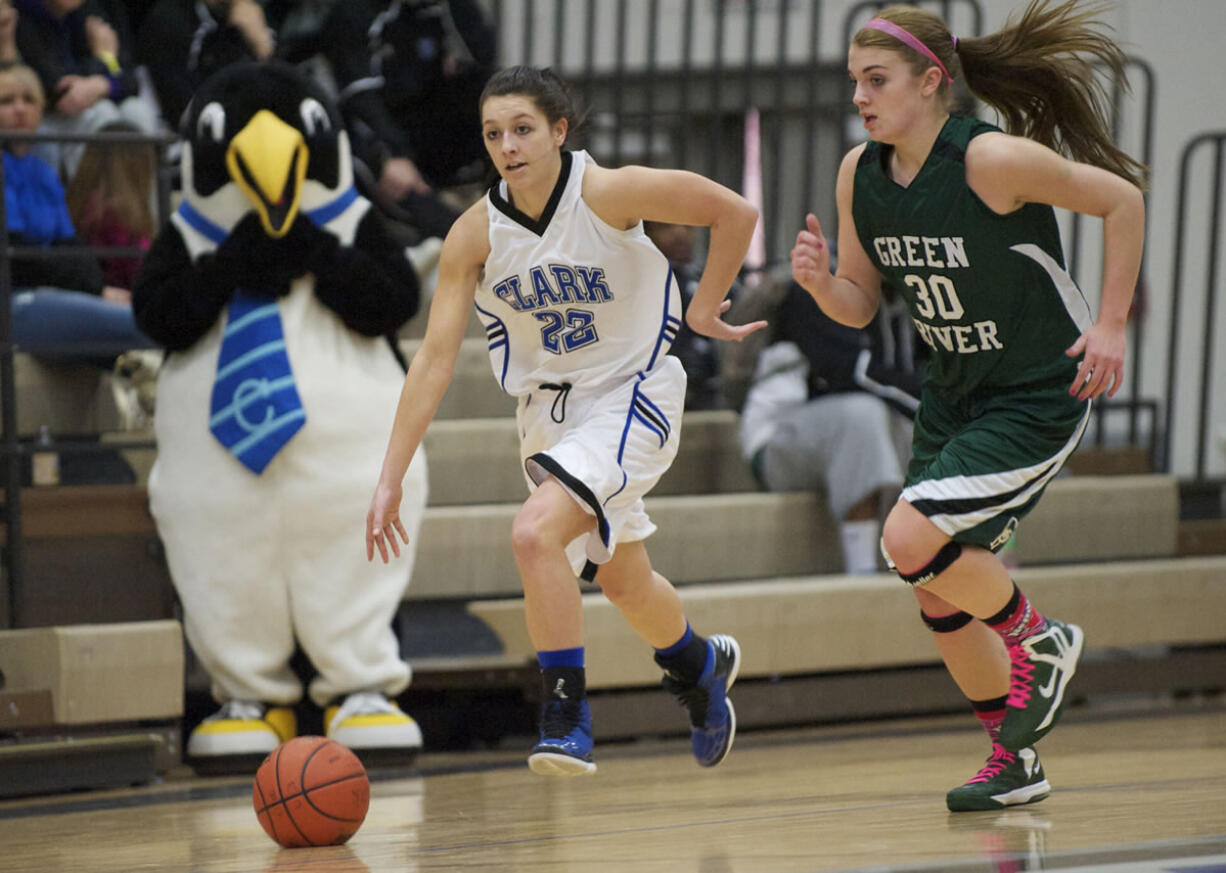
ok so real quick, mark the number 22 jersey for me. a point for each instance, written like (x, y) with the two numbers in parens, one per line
(569, 298)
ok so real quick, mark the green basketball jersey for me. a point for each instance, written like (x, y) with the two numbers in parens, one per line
(988, 293)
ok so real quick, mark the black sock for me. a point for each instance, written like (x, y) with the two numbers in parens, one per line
(563, 683)
(686, 663)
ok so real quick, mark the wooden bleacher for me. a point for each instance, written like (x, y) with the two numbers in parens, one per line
(1107, 550)
(832, 622)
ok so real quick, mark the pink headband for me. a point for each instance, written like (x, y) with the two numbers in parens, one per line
(905, 36)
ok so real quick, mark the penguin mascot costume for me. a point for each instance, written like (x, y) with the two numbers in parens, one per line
(276, 291)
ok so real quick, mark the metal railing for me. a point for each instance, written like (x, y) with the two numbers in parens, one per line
(964, 17)
(1214, 204)
(1132, 120)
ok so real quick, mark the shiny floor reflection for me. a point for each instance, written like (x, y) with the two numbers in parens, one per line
(1132, 794)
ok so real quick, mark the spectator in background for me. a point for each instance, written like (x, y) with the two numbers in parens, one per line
(829, 408)
(8, 34)
(80, 53)
(183, 42)
(110, 201)
(698, 353)
(409, 74)
(62, 306)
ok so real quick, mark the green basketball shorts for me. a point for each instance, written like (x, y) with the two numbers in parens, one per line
(980, 463)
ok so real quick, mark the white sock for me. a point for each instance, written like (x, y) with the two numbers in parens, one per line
(860, 549)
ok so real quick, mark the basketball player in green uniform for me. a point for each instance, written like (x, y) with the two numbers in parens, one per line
(957, 217)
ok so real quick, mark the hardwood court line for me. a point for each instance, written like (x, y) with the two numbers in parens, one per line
(39, 805)
(1164, 852)
(165, 793)
(1132, 786)
(1177, 851)
(155, 794)
(817, 813)
(615, 832)
(159, 794)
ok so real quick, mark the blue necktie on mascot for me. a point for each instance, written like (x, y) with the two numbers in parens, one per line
(255, 408)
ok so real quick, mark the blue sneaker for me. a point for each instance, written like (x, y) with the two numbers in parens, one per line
(565, 748)
(712, 718)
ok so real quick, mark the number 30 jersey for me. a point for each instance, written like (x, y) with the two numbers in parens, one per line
(989, 293)
(568, 298)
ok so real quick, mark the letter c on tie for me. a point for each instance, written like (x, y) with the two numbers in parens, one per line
(247, 391)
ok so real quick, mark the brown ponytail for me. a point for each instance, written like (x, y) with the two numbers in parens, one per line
(1034, 72)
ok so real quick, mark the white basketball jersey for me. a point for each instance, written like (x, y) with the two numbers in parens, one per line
(570, 298)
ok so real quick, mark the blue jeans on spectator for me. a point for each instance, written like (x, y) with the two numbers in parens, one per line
(73, 325)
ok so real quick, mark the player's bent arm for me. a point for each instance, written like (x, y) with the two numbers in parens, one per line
(1009, 171)
(626, 195)
(464, 253)
(852, 294)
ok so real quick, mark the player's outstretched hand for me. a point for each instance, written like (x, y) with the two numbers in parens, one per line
(383, 523)
(715, 327)
(811, 256)
(1102, 361)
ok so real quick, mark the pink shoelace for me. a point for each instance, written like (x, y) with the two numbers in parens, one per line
(1001, 758)
(1021, 677)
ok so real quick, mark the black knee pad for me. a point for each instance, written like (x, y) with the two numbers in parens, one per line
(949, 553)
(946, 624)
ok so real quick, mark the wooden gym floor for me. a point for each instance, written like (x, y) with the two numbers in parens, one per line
(1136, 790)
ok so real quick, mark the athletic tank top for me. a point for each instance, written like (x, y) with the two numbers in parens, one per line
(568, 298)
(988, 293)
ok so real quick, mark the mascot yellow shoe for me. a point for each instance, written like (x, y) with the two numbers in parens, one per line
(241, 731)
(277, 291)
(369, 721)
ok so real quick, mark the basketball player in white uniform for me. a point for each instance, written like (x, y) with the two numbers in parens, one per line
(580, 309)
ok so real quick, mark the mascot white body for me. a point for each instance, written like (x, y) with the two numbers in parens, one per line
(266, 561)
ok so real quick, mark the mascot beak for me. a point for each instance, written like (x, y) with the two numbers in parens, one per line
(268, 159)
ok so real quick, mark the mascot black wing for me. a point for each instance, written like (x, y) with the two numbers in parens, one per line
(276, 289)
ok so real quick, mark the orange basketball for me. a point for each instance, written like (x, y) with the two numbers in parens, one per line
(311, 791)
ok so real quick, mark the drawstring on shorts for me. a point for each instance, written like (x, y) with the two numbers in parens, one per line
(558, 415)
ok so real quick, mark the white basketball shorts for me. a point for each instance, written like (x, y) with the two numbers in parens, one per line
(607, 445)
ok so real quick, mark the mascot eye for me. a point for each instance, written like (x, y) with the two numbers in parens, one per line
(314, 117)
(212, 122)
